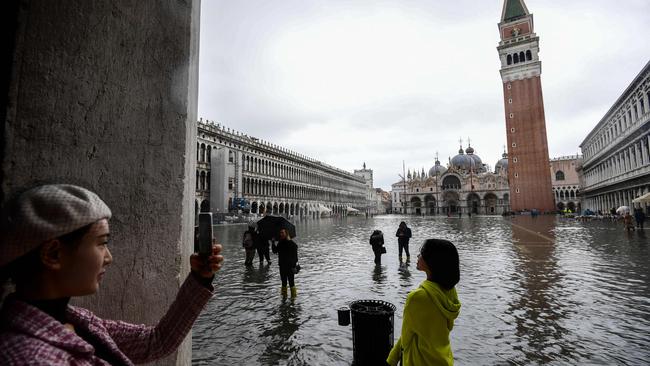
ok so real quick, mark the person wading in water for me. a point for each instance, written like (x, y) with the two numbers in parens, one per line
(287, 251)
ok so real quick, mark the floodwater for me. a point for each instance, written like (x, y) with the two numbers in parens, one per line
(541, 290)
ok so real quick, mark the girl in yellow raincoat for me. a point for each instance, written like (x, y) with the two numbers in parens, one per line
(430, 310)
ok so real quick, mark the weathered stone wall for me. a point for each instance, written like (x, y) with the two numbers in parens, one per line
(103, 94)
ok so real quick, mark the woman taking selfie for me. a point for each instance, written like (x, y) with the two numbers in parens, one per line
(55, 246)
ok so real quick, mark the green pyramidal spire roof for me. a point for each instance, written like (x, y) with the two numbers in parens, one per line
(513, 9)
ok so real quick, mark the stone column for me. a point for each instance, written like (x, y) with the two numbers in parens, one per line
(103, 95)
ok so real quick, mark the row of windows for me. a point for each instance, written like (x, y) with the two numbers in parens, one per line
(258, 165)
(625, 118)
(516, 58)
(261, 187)
(633, 157)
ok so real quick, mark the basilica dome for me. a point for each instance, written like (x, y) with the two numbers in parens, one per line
(502, 163)
(437, 169)
(477, 160)
(466, 161)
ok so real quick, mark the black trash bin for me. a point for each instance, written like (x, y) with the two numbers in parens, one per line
(372, 331)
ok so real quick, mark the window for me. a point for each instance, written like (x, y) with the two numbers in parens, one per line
(517, 190)
(529, 55)
(514, 144)
(509, 86)
(512, 115)
(516, 58)
(509, 59)
(516, 175)
(559, 175)
(510, 101)
(512, 130)
(514, 160)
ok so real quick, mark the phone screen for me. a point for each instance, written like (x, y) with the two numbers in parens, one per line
(205, 233)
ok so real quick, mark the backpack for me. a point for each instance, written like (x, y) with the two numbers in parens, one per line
(248, 240)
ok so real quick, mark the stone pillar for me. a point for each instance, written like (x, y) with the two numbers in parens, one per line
(103, 95)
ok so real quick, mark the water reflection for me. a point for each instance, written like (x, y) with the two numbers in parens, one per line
(283, 325)
(534, 291)
(405, 274)
(537, 309)
(379, 274)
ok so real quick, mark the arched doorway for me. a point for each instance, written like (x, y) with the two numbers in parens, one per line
(571, 206)
(560, 206)
(254, 207)
(490, 204)
(416, 203)
(262, 208)
(473, 203)
(430, 204)
(450, 202)
(205, 206)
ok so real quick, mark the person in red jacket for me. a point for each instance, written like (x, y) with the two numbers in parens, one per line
(55, 246)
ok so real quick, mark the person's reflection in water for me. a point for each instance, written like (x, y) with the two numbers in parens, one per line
(256, 275)
(539, 306)
(280, 339)
(379, 274)
(404, 274)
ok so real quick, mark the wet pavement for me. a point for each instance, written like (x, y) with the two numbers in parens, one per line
(541, 290)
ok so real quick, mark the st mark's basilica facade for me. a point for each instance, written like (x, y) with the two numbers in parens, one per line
(465, 186)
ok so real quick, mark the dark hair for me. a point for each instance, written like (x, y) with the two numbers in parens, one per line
(441, 256)
(25, 266)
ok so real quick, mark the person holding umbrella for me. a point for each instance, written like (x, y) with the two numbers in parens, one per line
(287, 251)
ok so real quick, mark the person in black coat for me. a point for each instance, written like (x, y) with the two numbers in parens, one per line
(639, 217)
(248, 242)
(403, 235)
(262, 246)
(287, 251)
(377, 242)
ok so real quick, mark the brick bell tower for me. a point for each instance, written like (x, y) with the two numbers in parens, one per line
(529, 175)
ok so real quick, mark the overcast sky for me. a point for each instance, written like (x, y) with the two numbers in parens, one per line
(380, 82)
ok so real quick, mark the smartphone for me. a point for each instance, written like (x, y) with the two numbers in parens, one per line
(205, 233)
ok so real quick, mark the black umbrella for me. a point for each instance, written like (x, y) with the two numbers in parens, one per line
(269, 227)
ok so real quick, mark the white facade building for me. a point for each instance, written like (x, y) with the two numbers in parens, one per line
(239, 172)
(616, 164)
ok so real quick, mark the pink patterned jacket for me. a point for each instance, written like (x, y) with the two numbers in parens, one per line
(29, 336)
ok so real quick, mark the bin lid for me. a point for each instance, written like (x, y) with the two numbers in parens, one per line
(372, 307)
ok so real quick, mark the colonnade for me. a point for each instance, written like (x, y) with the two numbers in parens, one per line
(606, 201)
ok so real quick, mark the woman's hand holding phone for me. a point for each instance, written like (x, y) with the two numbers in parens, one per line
(207, 266)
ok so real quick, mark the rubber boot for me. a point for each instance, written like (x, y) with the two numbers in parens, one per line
(283, 291)
(294, 293)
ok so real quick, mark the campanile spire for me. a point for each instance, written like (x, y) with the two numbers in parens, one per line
(529, 174)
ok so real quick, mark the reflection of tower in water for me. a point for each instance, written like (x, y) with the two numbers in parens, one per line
(538, 304)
